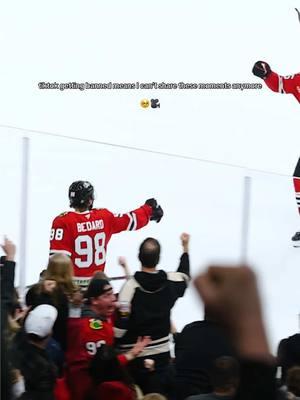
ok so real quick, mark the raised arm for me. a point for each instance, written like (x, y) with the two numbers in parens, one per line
(123, 263)
(7, 274)
(137, 218)
(289, 84)
(184, 265)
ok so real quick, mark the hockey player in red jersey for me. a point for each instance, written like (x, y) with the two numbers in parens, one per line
(83, 234)
(288, 84)
(281, 84)
(296, 237)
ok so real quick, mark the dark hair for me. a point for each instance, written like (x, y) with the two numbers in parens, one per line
(105, 367)
(96, 287)
(225, 373)
(149, 253)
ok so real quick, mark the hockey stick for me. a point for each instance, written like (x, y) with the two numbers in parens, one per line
(298, 12)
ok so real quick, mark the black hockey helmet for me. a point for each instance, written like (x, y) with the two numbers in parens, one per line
(80, 192)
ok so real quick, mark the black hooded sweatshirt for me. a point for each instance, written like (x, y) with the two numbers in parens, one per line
(151, 296)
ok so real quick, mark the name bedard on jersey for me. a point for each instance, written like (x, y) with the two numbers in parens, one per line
(90, 225)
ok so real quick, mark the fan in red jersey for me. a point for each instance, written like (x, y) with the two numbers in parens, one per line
(84, 233)
(88, 333)
(282, 84)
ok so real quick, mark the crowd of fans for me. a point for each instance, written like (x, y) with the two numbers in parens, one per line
(75, 339)
(69, 343)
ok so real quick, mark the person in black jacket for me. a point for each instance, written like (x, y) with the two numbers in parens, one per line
(288, 354)
(224, 377)
(197, 346)
(7, 270)
(231, 296)
(145, 302)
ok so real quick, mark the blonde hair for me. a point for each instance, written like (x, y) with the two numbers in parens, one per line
(60, 269)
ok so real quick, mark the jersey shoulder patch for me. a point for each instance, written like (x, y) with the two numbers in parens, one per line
(63, 214)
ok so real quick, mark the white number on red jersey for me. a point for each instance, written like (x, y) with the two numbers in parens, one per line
(56, 234)
(92, 347)
(91, 249)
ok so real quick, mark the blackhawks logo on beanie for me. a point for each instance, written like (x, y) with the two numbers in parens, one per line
(96, 323)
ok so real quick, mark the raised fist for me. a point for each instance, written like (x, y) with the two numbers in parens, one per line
(157, 211)
(157, 214)
(9, 249)
(152, 203)
(185, 238)
(261, 69)
(122, 261)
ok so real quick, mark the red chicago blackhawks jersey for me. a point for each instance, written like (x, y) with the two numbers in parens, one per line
(284, 84)
(85, 335)
(84, 236)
